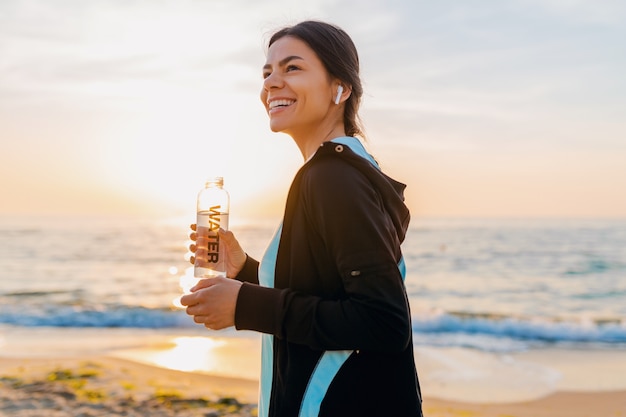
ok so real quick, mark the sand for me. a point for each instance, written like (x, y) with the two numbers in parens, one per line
(103, 386)
(89, 373)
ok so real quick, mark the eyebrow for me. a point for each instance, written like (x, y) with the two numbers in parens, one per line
(282, 62)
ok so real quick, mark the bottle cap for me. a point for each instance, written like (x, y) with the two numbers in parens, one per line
(219, 181)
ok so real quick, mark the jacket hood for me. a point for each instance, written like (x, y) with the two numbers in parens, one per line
(390, 190)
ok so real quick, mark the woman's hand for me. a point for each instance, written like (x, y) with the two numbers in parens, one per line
(235, 255)
(212, 302)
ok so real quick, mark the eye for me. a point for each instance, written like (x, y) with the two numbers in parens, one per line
(266, 74)
(291, 67)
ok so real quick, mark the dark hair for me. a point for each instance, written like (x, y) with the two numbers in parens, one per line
(339, 56)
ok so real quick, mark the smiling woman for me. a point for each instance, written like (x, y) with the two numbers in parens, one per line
(328, 296)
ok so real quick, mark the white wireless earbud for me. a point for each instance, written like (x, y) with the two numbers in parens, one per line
(339, 91)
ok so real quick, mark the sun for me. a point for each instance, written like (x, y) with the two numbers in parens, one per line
(187, 110)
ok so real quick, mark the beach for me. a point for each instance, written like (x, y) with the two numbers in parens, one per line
(510, 319)
(115, 372)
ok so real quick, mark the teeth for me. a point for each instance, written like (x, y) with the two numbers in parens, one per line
(277, 103)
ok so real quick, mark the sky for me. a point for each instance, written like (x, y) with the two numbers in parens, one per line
(484, 108)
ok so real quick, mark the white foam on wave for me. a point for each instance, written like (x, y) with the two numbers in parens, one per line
(510, 333)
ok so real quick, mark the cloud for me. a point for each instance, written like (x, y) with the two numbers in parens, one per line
(581, 12)
(109, 80)
(95, 47)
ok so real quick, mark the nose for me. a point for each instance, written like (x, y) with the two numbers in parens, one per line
(273, 80)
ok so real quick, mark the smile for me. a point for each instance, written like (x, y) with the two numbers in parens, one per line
(280, 103)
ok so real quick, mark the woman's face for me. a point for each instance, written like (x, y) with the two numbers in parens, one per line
(298, 91)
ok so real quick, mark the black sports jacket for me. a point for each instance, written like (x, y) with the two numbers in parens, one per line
(338, 311)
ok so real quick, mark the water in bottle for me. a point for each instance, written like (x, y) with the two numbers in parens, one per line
(212, 215)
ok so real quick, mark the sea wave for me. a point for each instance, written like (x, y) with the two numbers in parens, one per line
(482, 331)
(81, 316)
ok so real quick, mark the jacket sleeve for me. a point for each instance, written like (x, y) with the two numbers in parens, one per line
(250, 271)
(373, 313)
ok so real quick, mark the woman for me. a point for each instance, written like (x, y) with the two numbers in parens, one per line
(328, 295)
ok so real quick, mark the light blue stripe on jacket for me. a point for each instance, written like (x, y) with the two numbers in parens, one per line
(267, 269)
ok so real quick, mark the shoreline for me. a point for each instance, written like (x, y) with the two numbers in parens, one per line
(118, 387)
(223, 367)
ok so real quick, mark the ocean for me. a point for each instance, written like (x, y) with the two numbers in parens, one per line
(490, 285)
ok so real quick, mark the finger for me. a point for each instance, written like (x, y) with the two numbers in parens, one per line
(227, 235)
(192, 260)
(193, 226)
(204, 283)
(201, 319)
(192, 248)
(193, 310)
(193, 236)
(206, 321)
(188, 300)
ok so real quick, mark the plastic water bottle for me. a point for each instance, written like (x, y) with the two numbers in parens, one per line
(212, 214)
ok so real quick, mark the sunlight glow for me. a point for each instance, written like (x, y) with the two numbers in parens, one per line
(228, 356)
(132, 105)
(186, 282)
(189, 354)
